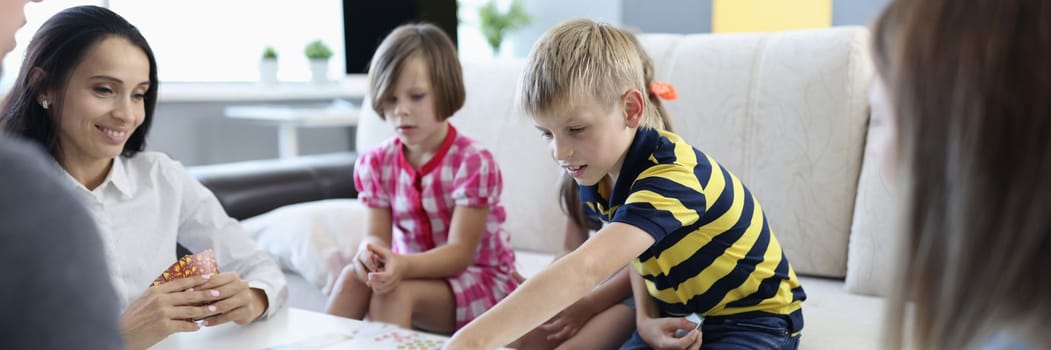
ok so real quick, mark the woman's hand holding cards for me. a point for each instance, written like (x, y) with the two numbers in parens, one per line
(165, 309)
(230, 299)
(191, 289)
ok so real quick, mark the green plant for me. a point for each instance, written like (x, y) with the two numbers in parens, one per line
(317, 50)
(269, 53)
(495, 25)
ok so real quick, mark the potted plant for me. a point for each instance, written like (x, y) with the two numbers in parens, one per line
(268, 66)
(318, 53)
(496, 25)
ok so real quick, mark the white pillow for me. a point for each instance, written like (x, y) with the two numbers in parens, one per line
(313, 239)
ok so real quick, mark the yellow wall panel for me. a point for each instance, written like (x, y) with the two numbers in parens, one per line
(769, 15)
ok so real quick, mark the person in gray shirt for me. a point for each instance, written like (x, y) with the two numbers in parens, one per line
(56, 289)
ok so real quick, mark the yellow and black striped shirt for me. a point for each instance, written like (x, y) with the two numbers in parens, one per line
(714, 252)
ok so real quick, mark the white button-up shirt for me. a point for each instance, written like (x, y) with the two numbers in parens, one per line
(149, 202)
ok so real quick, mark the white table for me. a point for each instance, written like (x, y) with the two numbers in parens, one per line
(290, 326)
(289, 119)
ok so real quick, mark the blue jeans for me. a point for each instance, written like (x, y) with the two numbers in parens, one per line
(725, 333)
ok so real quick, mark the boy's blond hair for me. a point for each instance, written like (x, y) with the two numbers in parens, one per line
(580, 60)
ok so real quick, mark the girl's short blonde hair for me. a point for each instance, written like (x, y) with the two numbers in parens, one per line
(429, 43)
(579, 60)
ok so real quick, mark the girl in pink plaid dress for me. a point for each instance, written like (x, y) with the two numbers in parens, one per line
(434, 256)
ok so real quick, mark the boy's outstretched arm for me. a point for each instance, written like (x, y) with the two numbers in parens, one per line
(558, 286)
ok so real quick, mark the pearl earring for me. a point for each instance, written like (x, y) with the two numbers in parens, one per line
(44, 104)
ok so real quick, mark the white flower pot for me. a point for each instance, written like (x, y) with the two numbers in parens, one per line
(319, 71)
(268, 72)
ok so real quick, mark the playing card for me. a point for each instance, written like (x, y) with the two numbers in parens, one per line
(190, 265)
(697, 319)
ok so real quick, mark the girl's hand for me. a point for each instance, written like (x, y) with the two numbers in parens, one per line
(660, 333)
(368, 258)
(567, 323)
(392, 271)
(232, 300)
(163, 310)
(518, 277)
(365, 262)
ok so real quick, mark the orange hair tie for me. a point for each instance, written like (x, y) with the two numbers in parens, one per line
(663, 90)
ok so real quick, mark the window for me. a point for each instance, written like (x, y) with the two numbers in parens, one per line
(208, 41)
(214, 41)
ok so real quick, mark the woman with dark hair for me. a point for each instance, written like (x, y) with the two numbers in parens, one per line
(962, 114)
(87, 91)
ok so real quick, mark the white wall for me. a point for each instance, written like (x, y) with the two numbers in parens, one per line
(544, 13)
(548, 13)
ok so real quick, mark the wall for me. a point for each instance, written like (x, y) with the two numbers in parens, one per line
(688, 16)
(198, 133)
(856, 12)
(670, 16)
(548, 13)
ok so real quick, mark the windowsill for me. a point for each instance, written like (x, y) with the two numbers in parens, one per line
(353, 86)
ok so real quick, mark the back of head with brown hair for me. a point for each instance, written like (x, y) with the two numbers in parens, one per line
(970, 83)
(427, 42)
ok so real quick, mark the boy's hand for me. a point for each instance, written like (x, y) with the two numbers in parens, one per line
(385, 278)
(660, 333)
(567, 323)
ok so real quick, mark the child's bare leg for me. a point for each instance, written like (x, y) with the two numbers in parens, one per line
(607, 330)
(428, 304)
(350, 296)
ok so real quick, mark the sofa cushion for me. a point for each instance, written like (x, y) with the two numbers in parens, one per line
(250, 188)
(312, 239)
(838, 320)
(874, 240)
(785, 112)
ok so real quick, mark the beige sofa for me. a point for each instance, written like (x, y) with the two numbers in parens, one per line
(786, 112)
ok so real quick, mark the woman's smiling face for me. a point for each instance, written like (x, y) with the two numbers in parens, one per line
(104, 101)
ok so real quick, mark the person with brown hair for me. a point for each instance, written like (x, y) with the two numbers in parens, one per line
(434, 255)
(962, 114)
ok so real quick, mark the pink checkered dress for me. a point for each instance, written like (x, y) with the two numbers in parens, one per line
(422, 202)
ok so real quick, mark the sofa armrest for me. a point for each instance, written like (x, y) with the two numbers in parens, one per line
(250, 188)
